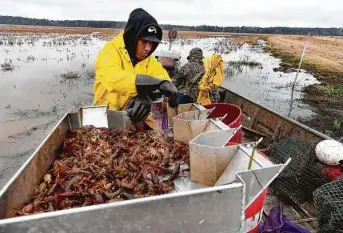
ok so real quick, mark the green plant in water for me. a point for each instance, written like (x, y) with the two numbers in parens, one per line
(337, 125)
(90, 74)
(331, 90)
(244, 63)
(70, 75)
(335, 90)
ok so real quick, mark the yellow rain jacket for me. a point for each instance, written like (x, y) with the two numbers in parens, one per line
(214, 75)
(115, 74)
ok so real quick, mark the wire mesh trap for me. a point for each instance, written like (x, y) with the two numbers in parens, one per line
(329, 206)
(303, 175)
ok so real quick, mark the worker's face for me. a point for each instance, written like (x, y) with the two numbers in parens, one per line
(143, 49)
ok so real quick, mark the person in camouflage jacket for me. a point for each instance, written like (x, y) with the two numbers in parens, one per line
(187, 78)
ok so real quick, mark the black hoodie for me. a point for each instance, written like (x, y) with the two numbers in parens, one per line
(139, 20)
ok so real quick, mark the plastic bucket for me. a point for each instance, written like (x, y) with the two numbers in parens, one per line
(253, 212)
(233, 117)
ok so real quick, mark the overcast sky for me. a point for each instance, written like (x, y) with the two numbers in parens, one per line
(296, 13)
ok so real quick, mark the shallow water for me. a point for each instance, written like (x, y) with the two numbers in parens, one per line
(33, 97)
(259, 83)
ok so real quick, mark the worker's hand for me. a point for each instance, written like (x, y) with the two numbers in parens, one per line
(155, 95)
(169, 90)
(146, 84)
(138, 108)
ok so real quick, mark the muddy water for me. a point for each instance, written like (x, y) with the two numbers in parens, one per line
(34, 96)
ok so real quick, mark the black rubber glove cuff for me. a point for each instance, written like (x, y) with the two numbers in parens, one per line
(147, 84)
(169, 90)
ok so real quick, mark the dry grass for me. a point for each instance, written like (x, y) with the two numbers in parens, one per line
(324, 53)
(7, 66)
(26, 29)
(70, 75)
(248, 38)
(106, 32)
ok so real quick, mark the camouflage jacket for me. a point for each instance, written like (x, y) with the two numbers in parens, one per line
(187, 80)
(188, 77)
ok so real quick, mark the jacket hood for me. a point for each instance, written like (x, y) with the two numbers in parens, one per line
(195, 54)
(139, 21)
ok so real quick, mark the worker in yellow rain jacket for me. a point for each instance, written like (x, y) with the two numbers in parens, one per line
(209, 83)
(127, 76)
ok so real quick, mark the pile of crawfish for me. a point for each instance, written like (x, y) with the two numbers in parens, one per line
(100, 165)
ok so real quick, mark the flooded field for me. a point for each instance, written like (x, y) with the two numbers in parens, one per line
(42, 77)
(252, 73)
(49, 76)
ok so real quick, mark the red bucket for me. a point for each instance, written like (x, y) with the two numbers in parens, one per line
(233, 118)
(253, 212)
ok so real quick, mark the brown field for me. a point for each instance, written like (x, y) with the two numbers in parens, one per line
(324, 54)
(105, 32)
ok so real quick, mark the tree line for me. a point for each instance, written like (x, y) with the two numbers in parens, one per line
(121, 24)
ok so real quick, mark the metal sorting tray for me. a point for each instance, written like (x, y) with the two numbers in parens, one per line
(192, 208)
(188, 125)
(216, 164)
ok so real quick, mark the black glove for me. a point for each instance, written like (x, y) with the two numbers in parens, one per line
(146, 84)
(168, 89)
(138, 108)
(155, 95)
